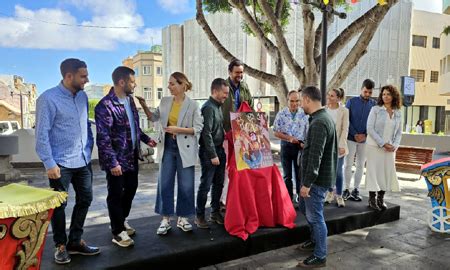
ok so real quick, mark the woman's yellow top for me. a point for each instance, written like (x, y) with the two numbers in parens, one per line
(174, 112)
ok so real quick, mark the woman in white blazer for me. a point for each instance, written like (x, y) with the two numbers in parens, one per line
(384, 130)
(180, 125)
(340, 116)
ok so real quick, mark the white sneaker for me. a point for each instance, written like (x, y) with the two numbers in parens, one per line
(183, 223)
(130, 230)
(122, 240)
(329, 197)
(164, 227)
(340, 201)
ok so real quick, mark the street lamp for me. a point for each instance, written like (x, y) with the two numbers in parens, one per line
(11, 91)
(326, 10)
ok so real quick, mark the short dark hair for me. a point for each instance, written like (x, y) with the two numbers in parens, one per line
(368, 83)
(217, 84)
(396, 99)
(312, 92)
(234, 63)
(121, 73)
(71, 65)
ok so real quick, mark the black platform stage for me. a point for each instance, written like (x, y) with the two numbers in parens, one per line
(206, 247)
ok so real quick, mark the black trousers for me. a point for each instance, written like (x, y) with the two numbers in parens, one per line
(121, 191)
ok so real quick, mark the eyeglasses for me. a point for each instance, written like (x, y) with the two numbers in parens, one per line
(294, 100)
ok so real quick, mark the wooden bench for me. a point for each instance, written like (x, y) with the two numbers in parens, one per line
(409, 159)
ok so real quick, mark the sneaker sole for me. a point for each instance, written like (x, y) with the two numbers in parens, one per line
(202, 226)
(83, 253)
(122, 245)
(165, 232)
(65, 262)
(184, 229)
(131, 233)
(215, 221)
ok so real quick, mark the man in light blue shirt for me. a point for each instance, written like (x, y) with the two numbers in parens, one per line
(64, 143)
(290, 126)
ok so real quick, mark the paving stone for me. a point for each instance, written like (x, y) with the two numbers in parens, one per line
(412, 261)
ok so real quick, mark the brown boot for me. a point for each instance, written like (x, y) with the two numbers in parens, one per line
(380, 200)
(373, 201)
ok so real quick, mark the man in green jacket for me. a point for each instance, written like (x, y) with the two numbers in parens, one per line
(212, 154)
(239, 92)
(319, 173)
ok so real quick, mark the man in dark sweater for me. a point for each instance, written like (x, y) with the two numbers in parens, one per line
(319, 173)
(212, 154)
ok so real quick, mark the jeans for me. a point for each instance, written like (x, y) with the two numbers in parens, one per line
(211, 175)
(358, 149)
(289, 156)
(170, 166)
(339, 176)
(121, 191)
(81, 179)
(312, 208)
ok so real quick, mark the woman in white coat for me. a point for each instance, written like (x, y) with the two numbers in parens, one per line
(384, 129)
(180, 124)
(339, 114)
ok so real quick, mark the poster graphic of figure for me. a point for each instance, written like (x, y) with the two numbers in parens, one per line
(251, 140)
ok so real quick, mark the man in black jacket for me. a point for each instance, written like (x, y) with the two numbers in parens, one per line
(212, 154)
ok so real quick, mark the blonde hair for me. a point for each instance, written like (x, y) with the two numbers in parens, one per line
(182, 79)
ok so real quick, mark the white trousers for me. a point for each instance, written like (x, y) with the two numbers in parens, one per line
(358, 149)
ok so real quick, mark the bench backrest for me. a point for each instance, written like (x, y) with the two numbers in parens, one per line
(418, 155)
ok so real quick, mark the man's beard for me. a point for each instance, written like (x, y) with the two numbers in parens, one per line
(77, 87)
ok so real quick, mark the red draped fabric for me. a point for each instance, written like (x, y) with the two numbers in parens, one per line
(256, 197)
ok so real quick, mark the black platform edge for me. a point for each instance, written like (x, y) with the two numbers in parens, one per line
(195, 250)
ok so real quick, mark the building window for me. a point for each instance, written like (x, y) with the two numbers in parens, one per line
(136, 71)
(146, 70)
(419, 41)
(418, 74)
(434, 76)
(160, 93)
(148, 93)
(159, 71)
(436, 43)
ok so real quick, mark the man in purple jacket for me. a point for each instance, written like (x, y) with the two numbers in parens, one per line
(118, 142)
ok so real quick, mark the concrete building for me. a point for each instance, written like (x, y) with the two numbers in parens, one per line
(444, 68)
(13, 90)
(148, 68)
(426, 51)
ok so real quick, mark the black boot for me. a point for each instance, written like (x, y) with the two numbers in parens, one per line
(380, 200)
(373, 201)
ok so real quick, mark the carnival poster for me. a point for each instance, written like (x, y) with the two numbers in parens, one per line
(251, 140)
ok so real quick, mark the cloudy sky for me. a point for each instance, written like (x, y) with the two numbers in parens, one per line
(35, 36)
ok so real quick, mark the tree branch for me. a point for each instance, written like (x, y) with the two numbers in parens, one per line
(308, 45)
(259, 33)
(360, 48)
(279, 8)
(281, 41)
(258, 74)
(356, 28)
